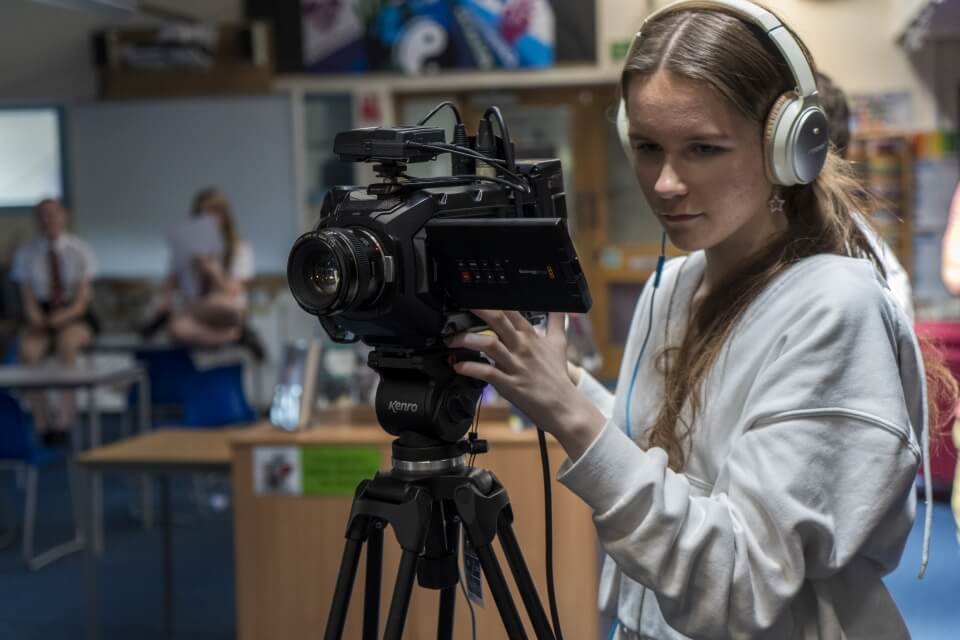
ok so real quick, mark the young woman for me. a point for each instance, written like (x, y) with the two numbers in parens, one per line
(753, 474)
(55, 272)
(213, 307)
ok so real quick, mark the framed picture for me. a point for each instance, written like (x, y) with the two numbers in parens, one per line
(295, 390)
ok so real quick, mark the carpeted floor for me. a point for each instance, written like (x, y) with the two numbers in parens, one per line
(49, 604)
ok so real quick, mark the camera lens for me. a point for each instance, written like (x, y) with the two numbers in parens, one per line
(336, 269)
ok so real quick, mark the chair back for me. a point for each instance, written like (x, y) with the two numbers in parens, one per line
(17, 439)
(169, 371)
(10, 352)
(215, 397)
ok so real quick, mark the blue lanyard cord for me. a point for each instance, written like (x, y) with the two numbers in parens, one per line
(613, 630)
(646, 337)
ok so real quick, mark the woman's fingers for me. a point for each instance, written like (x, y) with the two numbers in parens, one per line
(481, 371)
(492, 346)
(555, 326)
(500, 324)
(519, 322)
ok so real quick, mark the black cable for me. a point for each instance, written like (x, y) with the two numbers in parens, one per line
(548, 522)
(507, 148)
(465, 180)
(507, 143)
(470, 153)
(474, 428)
(433, 112)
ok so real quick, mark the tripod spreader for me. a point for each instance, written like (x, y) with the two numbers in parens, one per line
(426, 514)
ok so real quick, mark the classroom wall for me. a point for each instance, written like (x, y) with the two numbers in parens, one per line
(45, 50)
(45, 57)
(135, 166)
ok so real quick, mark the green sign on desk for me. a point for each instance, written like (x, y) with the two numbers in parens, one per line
(336, 471)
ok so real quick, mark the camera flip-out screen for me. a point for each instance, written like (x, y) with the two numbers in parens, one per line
(521, 264)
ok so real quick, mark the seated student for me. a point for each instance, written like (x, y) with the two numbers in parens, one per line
(55, 273)
(213, 299)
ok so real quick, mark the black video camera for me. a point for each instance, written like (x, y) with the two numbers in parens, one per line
(398, 263)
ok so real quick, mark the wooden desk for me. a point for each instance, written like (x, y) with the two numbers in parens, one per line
(163, 453)
(289, 548)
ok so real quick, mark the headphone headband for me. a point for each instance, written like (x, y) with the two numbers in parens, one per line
(771, 25)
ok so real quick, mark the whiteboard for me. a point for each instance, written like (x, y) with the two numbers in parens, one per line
(135, 165)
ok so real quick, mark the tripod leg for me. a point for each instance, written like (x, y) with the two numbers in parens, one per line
(501, 593)
(521, 575)
(401, 595)
(448, 598)
(449, 530)
(348, 571)
(371, 595)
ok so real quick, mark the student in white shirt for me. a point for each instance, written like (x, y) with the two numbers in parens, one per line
(214, 311)
(752, 476)
(55, 272)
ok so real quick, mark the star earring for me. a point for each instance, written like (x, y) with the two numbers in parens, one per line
(775, 204)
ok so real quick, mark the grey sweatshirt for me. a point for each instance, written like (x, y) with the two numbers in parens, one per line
(798, 493)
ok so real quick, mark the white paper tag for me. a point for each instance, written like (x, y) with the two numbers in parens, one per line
(472, 573)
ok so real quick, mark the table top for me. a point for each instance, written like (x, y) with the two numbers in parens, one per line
(52, 375)
(263, 433)
(166, 449)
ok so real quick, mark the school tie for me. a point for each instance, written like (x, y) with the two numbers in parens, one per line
(56, 279)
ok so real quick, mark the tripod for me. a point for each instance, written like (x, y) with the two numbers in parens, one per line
(427, 496)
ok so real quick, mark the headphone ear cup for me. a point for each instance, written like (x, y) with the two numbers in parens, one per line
(623, 131)
(776, 173)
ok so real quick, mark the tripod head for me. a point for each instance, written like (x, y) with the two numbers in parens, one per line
(427, 405)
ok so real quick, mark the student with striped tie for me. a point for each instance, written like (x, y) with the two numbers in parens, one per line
(55, 273)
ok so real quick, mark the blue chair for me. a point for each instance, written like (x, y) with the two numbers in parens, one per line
(10, 352)
(215, 398)
(168, 370)
(20, 450)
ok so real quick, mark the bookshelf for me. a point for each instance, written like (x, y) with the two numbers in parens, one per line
(884, 162)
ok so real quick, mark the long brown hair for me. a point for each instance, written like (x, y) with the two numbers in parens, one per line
(212, 200)
(825, 217)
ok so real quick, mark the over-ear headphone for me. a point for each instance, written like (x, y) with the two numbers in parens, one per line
(795, 135)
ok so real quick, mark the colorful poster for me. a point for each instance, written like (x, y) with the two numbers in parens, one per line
(419, 36)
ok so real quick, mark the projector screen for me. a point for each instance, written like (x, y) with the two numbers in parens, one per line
(31, 163)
